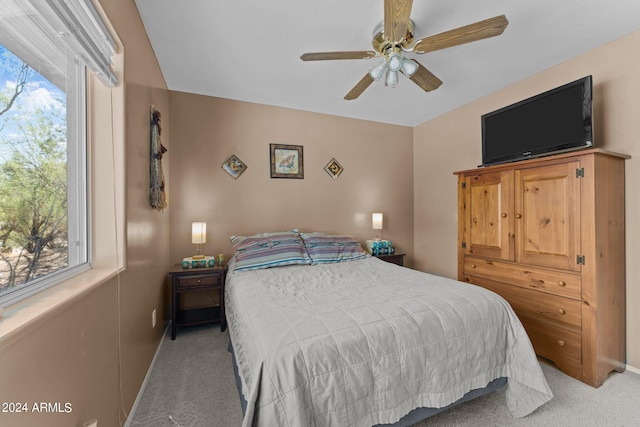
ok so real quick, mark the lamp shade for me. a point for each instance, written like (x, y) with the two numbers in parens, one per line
(198, 232)
(376, 221)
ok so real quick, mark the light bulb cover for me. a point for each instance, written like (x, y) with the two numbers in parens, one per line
(377, 72)
(394, 61)
(391, 80)
(409, 67)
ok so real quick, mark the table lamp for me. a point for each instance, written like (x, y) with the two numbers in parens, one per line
(376, 223)
(198, 236)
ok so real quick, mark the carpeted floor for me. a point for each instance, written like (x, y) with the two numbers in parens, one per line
(192, 384)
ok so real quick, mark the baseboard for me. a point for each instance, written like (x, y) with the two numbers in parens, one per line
(134, 407)
(632, 369)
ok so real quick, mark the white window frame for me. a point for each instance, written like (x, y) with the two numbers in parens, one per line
(89, 47)
(77, 170)
(78, 243)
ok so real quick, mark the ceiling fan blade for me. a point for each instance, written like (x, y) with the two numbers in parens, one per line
(469, 33)
(323, 56)
(396, 19)
(425, 78)
(359, 87)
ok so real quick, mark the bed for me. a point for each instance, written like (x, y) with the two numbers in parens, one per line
(333, 336)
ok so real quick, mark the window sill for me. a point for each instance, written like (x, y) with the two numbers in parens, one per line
(30, 311)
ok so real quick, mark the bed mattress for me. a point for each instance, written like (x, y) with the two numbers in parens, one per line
(365, 342)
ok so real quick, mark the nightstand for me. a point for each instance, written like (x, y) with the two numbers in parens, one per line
(393, 258)
(196, 280)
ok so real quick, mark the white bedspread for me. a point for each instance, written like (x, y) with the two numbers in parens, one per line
(365, 342)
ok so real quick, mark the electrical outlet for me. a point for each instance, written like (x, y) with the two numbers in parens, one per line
(153, 318)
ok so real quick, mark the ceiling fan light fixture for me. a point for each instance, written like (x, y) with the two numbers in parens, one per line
(391, 80)
(409, 67)
(399, 38)
(377, 72)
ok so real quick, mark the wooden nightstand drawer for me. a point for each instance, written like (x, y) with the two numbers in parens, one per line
(195, 282)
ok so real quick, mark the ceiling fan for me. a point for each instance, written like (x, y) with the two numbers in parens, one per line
(395, 35)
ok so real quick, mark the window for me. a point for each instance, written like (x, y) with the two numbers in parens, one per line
(46, 49)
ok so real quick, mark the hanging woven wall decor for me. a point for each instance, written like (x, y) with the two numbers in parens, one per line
(157, 196)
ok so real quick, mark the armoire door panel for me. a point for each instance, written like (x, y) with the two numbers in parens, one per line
(548, 216)
(490, 204)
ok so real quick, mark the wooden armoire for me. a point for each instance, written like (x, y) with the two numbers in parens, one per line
(548, 235)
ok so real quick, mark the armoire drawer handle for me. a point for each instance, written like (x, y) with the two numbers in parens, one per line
(562, 311)
(561, 343)
(473, 266)
(562, 284)
(518, 216)
(504, 215)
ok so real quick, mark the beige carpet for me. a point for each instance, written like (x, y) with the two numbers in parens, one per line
(192, 382)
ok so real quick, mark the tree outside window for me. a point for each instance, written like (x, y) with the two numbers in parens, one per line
(33, 174)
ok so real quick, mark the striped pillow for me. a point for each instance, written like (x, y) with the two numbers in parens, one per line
(269, 250)
(237, 239)
(326, 248)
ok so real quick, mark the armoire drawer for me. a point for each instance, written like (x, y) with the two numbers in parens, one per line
(562, 347)
(540, 306)
(553, 281)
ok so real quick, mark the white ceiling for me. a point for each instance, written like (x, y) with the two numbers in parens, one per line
(249, 50)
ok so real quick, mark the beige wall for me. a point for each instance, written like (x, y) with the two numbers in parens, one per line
(69, 356)
(205, 131)
(143, 286)
(452, 142)
(72, 354)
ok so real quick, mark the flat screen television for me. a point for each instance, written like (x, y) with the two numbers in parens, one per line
(554, 121)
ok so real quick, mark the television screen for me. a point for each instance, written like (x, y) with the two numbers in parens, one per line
(553, 121)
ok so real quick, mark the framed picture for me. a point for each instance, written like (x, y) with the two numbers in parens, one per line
(286, 161)
(234, 166)
(333, 168)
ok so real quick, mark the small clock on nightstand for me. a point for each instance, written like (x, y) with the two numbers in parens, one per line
(393, 258)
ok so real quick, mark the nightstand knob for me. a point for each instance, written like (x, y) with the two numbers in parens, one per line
(562, 311)
(562, 284)
(518, 216)
(473, 266)
(561, 343)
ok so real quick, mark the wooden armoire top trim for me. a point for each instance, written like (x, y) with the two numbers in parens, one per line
(530, 162)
